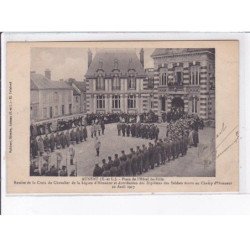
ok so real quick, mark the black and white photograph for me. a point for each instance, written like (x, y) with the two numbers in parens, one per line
(122, 112)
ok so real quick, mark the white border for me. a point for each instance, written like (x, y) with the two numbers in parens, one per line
(138, 204)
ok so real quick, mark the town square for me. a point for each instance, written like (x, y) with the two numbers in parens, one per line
(123, 118)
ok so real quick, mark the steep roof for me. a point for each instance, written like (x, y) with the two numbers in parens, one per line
(106, 59)
(168, 51)
(39, 82)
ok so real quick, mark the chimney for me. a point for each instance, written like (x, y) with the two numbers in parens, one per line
(47, 74)
(142, 57)
(89, 57)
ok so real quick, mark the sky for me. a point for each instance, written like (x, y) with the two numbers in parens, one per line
(67, 63)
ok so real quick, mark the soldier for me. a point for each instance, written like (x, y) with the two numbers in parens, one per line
(64, 171)
(132, 128)
(52, 142)
(150, 156)
(157, 153)
(156, 132)
(144, 158)
(33, 147)
(123, 129)
(128, 130)
(92, 130)
(81, 134)
(172, 148)
(122, 168)
(102, 126)
(119, 128)
(85, 133)
(40, 145)
(95, 127)
(71, 153)
(167, 149)
(63, 140)
(106, 171)
(139, 160)
(72, 135)
(67, 138)
(97, 170)
(77, 135)
(99, 128)
(123, 157)
(46, 142)
(97, 146)
(117, 165)
(128, 168)
(162, 151)
(112, 167)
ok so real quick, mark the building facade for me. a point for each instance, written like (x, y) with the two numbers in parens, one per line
(184, 78)
(49, 99)
(79, 95)
(116, 82)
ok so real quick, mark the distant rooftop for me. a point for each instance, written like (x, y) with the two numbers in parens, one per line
(168, 51)
(40, 82)
(110, 60)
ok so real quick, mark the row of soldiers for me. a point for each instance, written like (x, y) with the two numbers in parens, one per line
(50, 142)
(56, 125)
(143, 159)
(146, 131)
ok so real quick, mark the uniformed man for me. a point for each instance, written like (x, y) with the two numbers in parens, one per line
(85, 133)
(106, 171)
(144, 158)
(151, 155)
(123, 129)
(52, 142)
(119, 128)
(116, 164)
(97, 171)
(77, 135)
(128, 168)
(139, 160)
(128, 130)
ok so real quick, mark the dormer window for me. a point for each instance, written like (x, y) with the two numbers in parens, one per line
(116, 64)
(116, 84)
(100, 84)
(131, 82)
(100, 64)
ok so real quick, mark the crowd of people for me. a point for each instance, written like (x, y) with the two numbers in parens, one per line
(180, 134)
(143, 130)
(58, 125)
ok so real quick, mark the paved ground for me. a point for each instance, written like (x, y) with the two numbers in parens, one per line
(195, 163)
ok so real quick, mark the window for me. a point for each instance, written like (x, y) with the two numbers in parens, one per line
(44, 112)
(163, 80)
(194, 105)
(100, 85)
(151, 83)
(131, 101)
(56, 97)
(69, 96)
(56, 110)
(194, 75)
(100, 101)
(115, 64)
(63, 111)
(70, 108)
(116, 103)
(131, 82)
(116, 85)
(50, 112)
(178, 78)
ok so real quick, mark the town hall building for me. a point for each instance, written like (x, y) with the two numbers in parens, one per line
(115, 82)
(184, 78)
